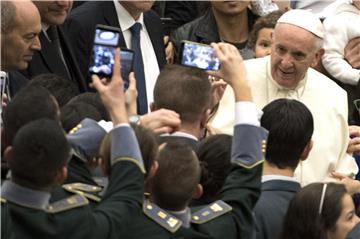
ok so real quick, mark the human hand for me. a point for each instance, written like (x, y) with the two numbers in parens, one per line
(112, 92)
(352, 52)
(131, 96)
(232, 70)
(354, 143)
(352, 185)
(161, 121)
(169, 50)
(217, 89)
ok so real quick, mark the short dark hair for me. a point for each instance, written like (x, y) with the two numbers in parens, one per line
(29, 104)
(267, 21)
(176, 179)
(36, 159)
(185, 90)
(61, 88)
(290, 125)
(94, 100)
(147, 142)
(303, 220)
(8, 16)
(73, 114)
(214, 154)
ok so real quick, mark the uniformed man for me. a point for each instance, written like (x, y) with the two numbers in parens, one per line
(38, 163)
(166, 213)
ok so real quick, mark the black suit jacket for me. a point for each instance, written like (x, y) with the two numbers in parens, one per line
(47, 60)
(83, 20)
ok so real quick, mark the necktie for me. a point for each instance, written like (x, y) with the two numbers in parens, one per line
(55, 41)
(142, 105)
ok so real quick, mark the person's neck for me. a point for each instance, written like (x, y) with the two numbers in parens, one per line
(232, 29)
(133, 12)
(269, 169)
(193, 129)
(26, 184)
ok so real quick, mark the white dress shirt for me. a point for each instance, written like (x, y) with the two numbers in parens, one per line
(151, 67)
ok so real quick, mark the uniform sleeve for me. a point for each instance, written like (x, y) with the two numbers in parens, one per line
(243, 185)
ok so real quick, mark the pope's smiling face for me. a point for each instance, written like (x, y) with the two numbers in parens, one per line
(293, 52)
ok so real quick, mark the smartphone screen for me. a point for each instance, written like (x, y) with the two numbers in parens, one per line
(102, 61)
(105, 42)
(199, 55)
(127, 65)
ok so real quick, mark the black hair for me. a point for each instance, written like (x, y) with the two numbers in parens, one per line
(176, 179)
(40, 149)
(290, 125)
(61, 88)
(29, 104)
(214, 154)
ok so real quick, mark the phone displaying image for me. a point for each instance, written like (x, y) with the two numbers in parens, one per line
(199, 55)
(102, 61)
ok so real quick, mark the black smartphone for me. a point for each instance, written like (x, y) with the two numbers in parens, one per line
(199, 55)
(106, 40)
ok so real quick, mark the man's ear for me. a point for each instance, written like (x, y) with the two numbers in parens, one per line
(198, 192)
(318, 55)
(61, 175)
(8, 153)
(204, 118)
(306, 150)
(153, 169)
(152, 107)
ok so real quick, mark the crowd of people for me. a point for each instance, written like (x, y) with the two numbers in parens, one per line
(265, 147)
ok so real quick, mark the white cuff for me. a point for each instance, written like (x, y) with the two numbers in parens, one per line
(246, 112)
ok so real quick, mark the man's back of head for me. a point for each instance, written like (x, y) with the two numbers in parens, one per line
(29, 104)
(184, 90)
(177, 177)
(20, 26)
(40, 149)
(290, 125)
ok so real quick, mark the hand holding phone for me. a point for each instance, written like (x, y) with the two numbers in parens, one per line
(199, 55)
(106, 40)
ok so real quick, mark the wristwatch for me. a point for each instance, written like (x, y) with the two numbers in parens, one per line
(134, 119)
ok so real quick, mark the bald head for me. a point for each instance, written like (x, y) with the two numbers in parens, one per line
(19, 36)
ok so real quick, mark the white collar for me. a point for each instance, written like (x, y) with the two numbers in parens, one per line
(125, 19)
(181, 134)
(266, 178)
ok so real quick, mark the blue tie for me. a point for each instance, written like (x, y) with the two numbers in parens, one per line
(142, 105)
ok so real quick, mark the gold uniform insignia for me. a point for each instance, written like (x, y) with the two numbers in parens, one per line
(84, 189)
(67, 204)
(161, 217)
(76, 128)
(210, 212)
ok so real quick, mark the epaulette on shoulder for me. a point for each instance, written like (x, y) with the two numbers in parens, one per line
(2, 200)
(76, 128)
(210, 212)
(67, 204)
(83, 189)
(161, 217)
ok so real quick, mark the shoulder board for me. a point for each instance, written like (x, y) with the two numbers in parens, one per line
(161, 217)
(2, 200)
(85, 194)
(210, 212)
(76, 128)
(83, 187)
(67, 204)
